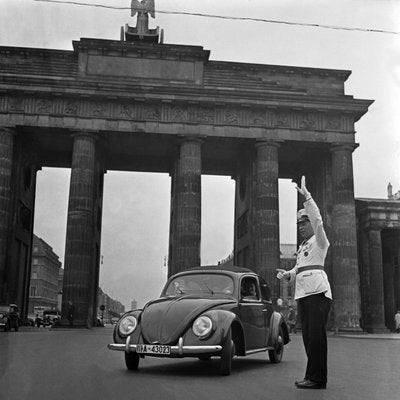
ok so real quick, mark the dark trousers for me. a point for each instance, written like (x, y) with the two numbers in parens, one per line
(314, 312)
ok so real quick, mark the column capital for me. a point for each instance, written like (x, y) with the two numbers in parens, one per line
(83, 133)
(8, 129)
(268, 142)
(185, 138)
(343, 147)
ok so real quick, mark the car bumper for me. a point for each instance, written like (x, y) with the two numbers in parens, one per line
(176, 351)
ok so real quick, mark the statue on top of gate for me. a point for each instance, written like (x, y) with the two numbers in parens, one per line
(142, 32)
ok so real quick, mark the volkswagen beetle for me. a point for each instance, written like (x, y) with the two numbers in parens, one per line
(204, 312)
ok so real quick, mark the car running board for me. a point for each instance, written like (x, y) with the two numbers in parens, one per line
(260, 350)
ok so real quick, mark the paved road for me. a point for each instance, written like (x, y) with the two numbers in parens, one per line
(75, 364)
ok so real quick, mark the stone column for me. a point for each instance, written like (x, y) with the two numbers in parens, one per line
(266, 214)
(397, 279)
(186, 218)
(345, 285)
(80, 238)
(364, 277)
(376, 298)
(6, 161)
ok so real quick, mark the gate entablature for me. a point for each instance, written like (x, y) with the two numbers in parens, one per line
(117, 86)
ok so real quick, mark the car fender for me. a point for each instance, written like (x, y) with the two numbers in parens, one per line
(135, 334)
(223, 320)
(276, 322)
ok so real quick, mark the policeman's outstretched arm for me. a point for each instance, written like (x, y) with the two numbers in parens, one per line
(303, 189)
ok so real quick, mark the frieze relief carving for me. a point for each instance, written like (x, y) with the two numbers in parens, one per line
(179, 114)
(333, 123)
(44, 106)
(98, 110)
(282, 119)
(71, 107)
(16, 104)
(308, 121)
(126, 111)
(256, 118)
(231, 117)
(152, 112)
(205, 115)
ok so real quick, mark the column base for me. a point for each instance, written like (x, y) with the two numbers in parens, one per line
(377, 329)
(347, 329)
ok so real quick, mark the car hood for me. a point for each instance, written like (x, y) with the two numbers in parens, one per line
(165, 319)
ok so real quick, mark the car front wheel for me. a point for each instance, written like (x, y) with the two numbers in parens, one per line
(132, 361)
(276, 354)
(227, 353)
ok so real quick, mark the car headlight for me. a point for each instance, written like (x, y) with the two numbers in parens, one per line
(127, 325)
(202, 327)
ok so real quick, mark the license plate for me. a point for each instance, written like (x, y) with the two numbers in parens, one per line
(153, 349)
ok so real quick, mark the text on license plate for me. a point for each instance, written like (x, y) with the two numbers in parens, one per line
(153, 349)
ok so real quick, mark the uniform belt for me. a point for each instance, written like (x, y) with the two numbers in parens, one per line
(309, 267)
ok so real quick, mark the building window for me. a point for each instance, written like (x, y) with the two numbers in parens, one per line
(35, 261)
(33, 291)
(34, 275)
(35, 249)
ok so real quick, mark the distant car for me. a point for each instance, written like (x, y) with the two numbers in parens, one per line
(9, 317)
(205, 312)
(50, 317)
(30, 320)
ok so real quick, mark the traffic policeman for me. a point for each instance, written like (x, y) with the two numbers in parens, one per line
(312, 290)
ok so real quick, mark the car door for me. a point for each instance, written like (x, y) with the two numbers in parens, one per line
(267, 302)
(252, 314)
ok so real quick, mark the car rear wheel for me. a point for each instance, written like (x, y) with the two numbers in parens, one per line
(132, 361)
(227, 353)
(276, 354)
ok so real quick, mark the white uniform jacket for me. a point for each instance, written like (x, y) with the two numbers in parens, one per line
(312, 252)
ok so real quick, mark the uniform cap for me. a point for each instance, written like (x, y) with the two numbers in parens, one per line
(302, 216)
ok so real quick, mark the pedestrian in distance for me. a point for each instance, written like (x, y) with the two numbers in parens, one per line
(397, 321)
(71, 311)
(38, 321)
(292, 320)
(312, 290)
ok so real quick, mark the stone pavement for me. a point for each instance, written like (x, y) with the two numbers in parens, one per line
(70, 364)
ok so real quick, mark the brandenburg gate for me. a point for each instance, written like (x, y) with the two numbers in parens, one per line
(140, 105)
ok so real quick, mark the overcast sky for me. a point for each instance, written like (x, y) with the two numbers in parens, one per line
(136, 206)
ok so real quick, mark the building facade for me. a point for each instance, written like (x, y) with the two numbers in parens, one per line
(45, 270)
(112, 308)
(378, 226)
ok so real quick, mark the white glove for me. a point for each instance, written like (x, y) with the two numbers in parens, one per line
(303, 190)
(282, 274)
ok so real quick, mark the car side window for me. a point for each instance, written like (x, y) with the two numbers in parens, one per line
(265, 290)
(249, 289)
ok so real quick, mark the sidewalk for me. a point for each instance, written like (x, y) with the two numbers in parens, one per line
(359, 335)
(390, 336)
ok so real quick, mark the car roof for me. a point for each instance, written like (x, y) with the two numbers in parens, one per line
(220, 268)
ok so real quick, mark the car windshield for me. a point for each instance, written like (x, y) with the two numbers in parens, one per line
(200, 283)
(4, 309)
